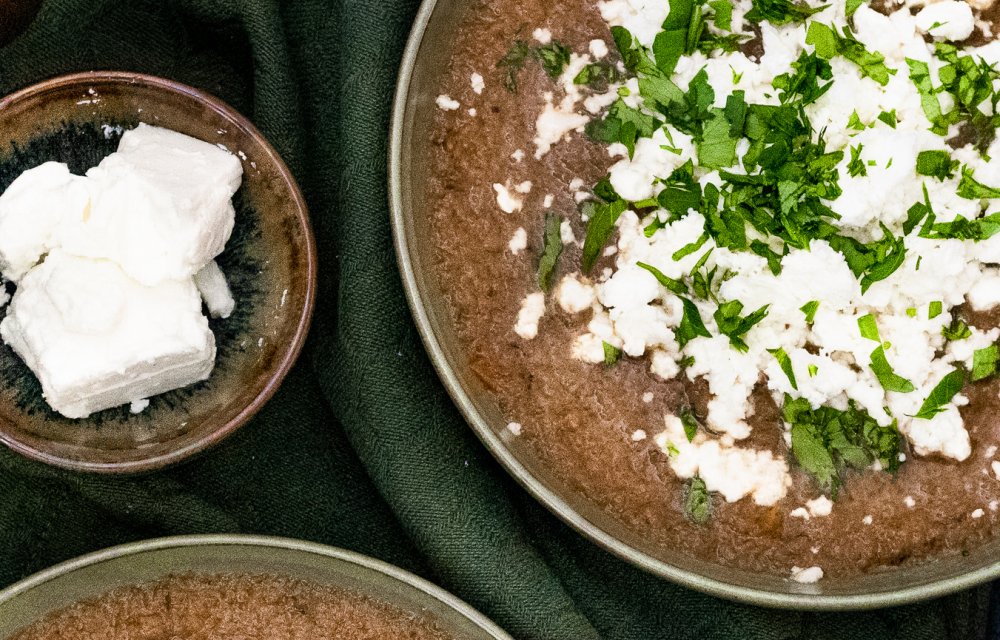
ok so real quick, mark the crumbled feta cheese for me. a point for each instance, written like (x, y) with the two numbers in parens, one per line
(575, 295)
(447, 103)
(638, 435)
(542, 35)
(647, 397)
(996, 468)
(807, 576)
(566, 233)
(734, 472)
(946, 20)
(909, 501)
(518, 155)
(532, 310)
(821, 506)
(978, 513)
(867, 520)
(506, 198)
(514, 428)
(478, 84)
(548, 200)
(138, 406)
(598, 49)
(800, 512)
(519, 241)
(641, 17)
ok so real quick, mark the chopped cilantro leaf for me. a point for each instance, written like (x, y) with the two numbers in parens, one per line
(675, 286)
(813, 370)
(553, 58)
(600, 226)
(622, 124)
(612, 354)
(854, 122)
(723, 17)
(941, 395)
(731, 324)
(889, 380)
(785, 363)
(809, 309)
(698, 501)
(934, 309)
(691, 325)
(512, 63)
(852, 6)
(970, 80)
(984, 362)
(598, 75)
(551, 248)
(920, 75)
(804, 83)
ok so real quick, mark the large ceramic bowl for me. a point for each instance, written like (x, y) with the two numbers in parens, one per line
(143, 562)
(426, 56)
(270, 262)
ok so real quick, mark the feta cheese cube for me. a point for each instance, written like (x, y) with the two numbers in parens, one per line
(96, 338)
(211, 282)
(160, 206)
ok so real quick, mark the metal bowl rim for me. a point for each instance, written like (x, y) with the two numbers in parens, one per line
(259, 542)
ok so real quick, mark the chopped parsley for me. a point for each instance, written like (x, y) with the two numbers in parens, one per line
(698, 501)
(809, 309)
(868, 328)
(934, 309)
(689, 421)
(785, 363)
(612, 354)
(957, 330)
(731, 324)
(971, 189)
(856, 167)
(553, 58)
(852, 6)
(984, 362)
(937, 164)
(691, 325)
(779, 12)
(920, 75)
(941, 394)
(829, 43)
(551, 249)
(674, 286)
(970, 81)
(888, 378)
(825, 441)
(600, 225)
(598, 75)
(813, 370)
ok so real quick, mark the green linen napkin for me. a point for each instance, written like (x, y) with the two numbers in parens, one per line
(361, 448)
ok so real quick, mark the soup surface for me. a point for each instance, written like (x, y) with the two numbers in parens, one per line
(627, 428)
(232, 607)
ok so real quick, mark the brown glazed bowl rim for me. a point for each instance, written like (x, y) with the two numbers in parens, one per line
(806, 597)
(291, 352)
(377, 572)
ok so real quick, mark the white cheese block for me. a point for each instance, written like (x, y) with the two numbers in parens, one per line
(31, 210)
(211, 282)
(96, 338)
(160, 206)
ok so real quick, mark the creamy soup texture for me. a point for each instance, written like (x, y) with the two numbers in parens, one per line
(731, 267)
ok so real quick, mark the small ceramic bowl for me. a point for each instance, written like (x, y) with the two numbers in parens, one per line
(144, 562)
(270, 263)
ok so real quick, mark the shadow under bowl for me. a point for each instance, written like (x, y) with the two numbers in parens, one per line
(269, 262)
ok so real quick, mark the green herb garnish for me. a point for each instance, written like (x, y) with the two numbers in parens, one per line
(941, 395)
(551, 248)
(785, 363)
(698, 501)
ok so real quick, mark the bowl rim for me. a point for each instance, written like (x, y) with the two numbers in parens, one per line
(293, 348)
(260, 542)
(418, 302)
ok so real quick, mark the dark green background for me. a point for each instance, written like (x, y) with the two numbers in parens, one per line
(361, 448)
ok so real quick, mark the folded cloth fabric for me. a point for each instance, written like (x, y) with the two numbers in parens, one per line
(361, 448)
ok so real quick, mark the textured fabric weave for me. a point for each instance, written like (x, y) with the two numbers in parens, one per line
(361, 448)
